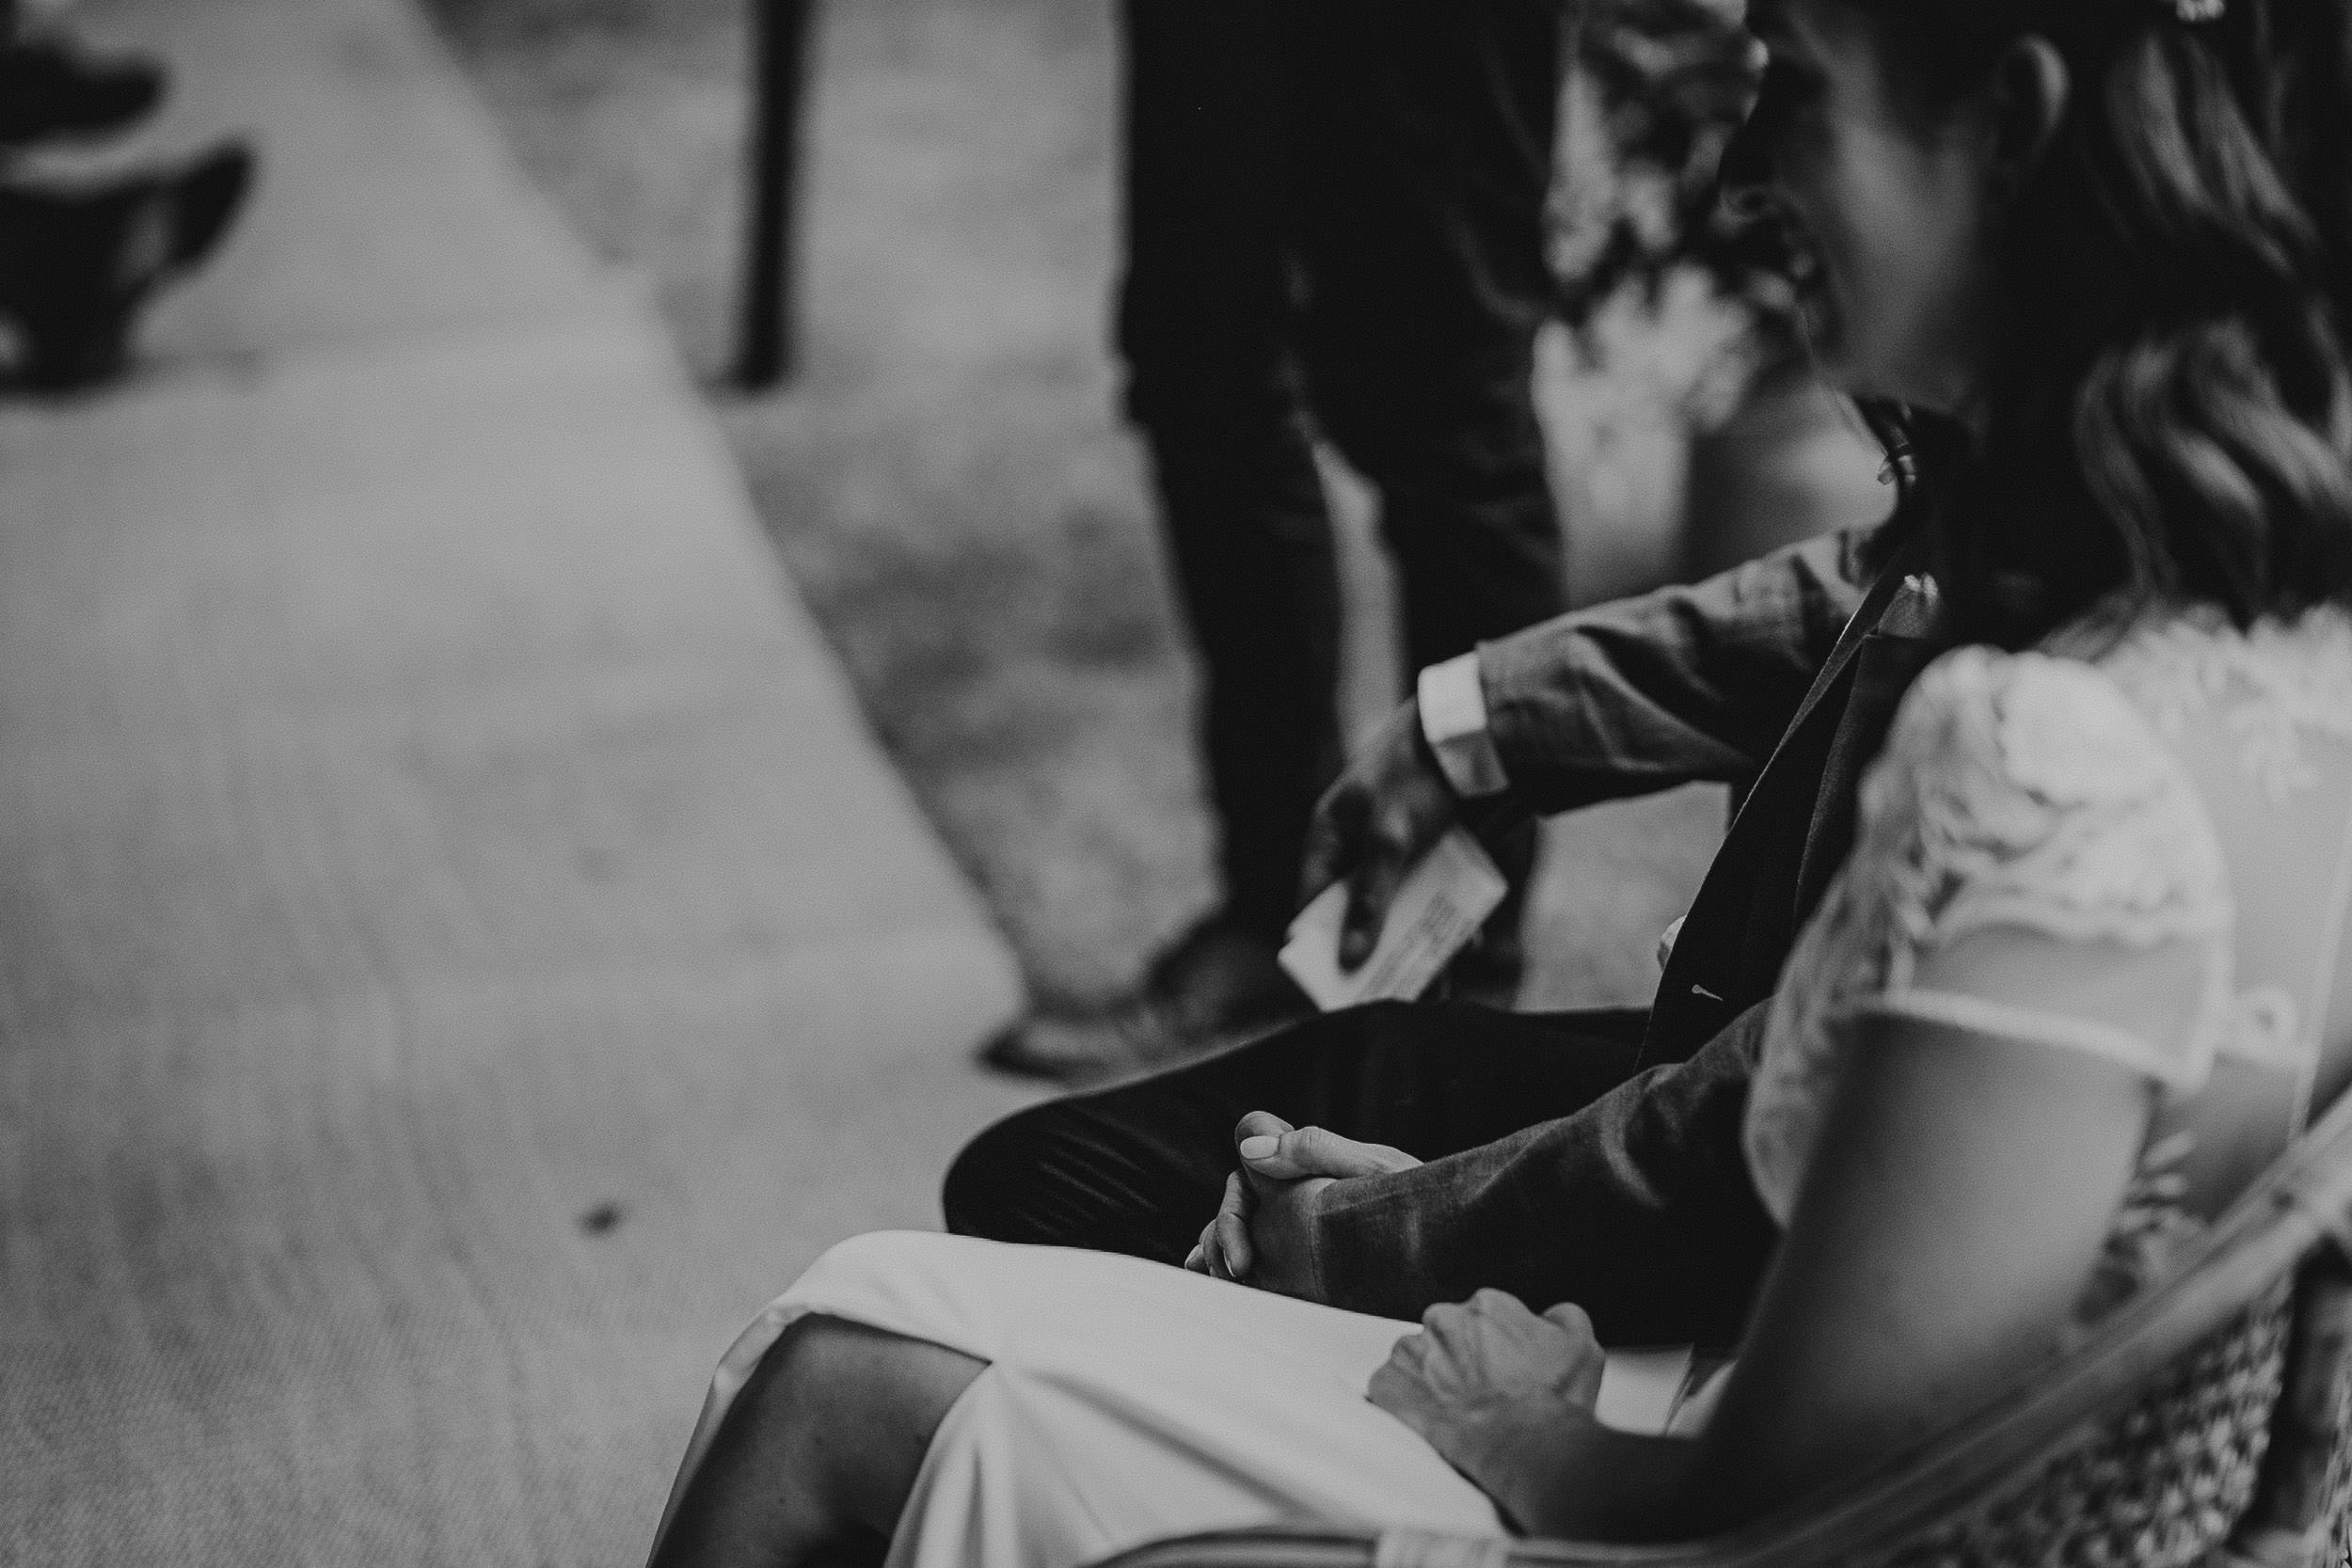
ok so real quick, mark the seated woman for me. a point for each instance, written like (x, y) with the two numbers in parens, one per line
(2072, 989)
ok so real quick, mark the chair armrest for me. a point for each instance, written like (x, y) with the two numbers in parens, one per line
(1308, 1546)
(1323, 1547)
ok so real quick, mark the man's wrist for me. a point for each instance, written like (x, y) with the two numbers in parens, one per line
(1311, 1243)
(1452, 700)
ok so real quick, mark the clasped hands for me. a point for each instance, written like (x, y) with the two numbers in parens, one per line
(1498, 1391)
(1495, 1389)
(1261, 1233)
(1383, 813)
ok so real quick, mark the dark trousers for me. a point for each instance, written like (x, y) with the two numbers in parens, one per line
(1140, 1169)
(1334, 223)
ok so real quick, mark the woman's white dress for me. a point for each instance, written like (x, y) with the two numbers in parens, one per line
(2054, 848)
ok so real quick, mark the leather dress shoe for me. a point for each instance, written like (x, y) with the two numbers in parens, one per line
(1217, 987)
(77, 263)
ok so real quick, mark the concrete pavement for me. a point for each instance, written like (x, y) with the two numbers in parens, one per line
(459, 949)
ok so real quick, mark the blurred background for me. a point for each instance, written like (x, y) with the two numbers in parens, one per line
(510, 835)
(949, 484)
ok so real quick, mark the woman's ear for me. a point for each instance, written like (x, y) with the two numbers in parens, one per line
(2030, 89)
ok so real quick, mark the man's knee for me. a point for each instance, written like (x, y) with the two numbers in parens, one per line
(1036, 1177)
(984, 1189)
(1088, 1171)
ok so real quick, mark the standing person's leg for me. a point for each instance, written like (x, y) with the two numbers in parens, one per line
(1140, 1169)
(1424, 139)
(1205, 319)
(1207, 314)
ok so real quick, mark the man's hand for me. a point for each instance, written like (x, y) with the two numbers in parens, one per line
(1260, 1233)
(1382, 814)
(1496, 1390)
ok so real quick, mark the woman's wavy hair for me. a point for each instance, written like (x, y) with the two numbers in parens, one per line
(2178, 274)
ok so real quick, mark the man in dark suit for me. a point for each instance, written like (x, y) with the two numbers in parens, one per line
(1593, 1156)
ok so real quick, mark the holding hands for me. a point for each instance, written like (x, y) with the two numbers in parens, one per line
(1260, 1233)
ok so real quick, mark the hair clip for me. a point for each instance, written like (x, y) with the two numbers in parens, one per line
(2196, 11)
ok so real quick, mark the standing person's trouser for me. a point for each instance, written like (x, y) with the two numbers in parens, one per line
(1335, 205)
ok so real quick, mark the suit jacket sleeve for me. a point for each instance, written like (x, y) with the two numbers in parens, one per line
(1638, 1208)
(1683, 684)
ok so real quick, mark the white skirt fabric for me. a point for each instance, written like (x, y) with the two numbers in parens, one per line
(1124, 1402)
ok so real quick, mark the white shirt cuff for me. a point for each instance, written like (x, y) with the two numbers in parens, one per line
(1453, 721)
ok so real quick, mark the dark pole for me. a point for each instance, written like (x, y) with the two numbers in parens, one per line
(780, 30)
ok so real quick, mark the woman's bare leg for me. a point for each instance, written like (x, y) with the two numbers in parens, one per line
(817, 1455)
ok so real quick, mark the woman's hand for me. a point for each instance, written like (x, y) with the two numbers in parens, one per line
(1500, 1393)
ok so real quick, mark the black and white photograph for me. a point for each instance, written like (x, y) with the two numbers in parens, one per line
(1176, 783)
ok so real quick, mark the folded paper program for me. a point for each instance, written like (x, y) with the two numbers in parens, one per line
(1439, 908)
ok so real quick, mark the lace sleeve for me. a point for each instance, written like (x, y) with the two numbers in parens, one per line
(2049, 869)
